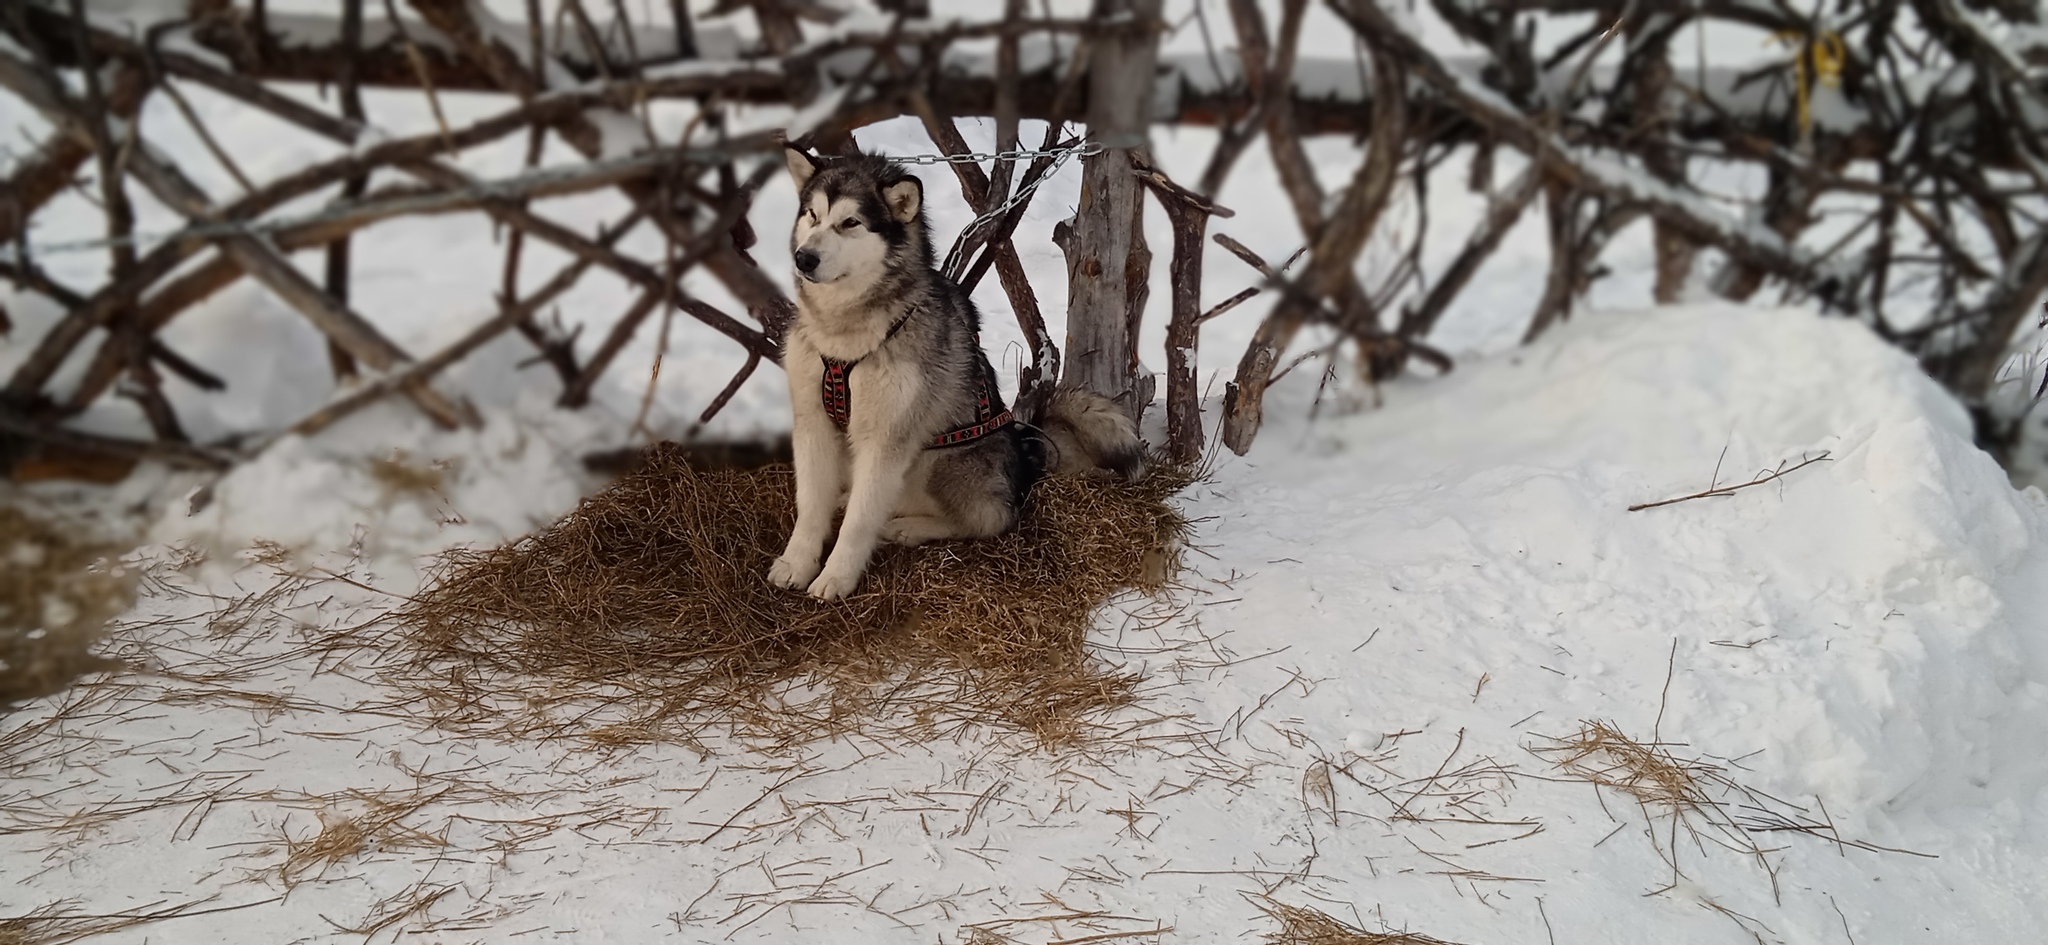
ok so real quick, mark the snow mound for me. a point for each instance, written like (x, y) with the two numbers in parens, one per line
(388, 487)
(1867, 631)
(1861, 602)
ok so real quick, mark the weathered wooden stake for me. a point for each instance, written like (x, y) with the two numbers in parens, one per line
(1190, 213)
(1108, 264)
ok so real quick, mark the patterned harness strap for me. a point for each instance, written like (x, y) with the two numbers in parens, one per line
(990, 414)
(838, 396)
(833, 388)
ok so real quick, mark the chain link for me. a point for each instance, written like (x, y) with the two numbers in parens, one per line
(978, 157)
(955, 264)
(1084, 149)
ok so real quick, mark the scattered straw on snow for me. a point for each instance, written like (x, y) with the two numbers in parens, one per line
(380, 825)
(644, 614)
(1694, 795)
(1600, 753)
(61, 923)
(1301, 925)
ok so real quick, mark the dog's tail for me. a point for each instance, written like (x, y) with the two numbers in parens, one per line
(1089, 432)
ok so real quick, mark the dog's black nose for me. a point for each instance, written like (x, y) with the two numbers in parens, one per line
(806, 261)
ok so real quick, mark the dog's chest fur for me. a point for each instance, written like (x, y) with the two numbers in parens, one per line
(833, 323)
(921, 376)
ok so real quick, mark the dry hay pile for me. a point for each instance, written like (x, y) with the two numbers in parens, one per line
(57, 592)
(644, 614)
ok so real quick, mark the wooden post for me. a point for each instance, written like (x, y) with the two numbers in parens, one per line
(1108, 263)
(1190, 213)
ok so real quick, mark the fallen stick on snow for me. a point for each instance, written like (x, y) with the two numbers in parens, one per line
(1711, 491)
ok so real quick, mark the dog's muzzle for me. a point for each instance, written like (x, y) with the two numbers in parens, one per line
(807, 263)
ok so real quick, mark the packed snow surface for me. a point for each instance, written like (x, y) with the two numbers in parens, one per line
(1401, 598)
(1429, 588)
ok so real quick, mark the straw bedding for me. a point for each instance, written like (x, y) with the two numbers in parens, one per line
(644, 614)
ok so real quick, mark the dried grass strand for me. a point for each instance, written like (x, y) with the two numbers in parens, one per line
(1302, 925)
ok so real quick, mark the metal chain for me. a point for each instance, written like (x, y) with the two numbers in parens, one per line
(1084, 149)
(956, 261)
(978, 157)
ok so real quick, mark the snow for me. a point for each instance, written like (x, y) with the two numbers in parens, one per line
(2027, 39)
(1428, 577)
(514, 37)
(807, 118)
(1457, 565)
(518, 472)
(179, 40)
(619, 134)
(2009, 59)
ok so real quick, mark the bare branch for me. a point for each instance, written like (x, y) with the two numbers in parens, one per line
(418, 374)
(1189, 213)
(1769, 475)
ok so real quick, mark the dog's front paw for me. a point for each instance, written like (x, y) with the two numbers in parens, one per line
(792, 575)
(901, 532)
(833, 585)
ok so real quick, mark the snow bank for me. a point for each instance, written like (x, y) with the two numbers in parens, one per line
(388, 487)
(1874, 614)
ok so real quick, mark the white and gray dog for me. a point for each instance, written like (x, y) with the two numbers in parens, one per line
(898, 419)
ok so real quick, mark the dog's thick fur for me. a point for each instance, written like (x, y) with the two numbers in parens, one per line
(867, 292)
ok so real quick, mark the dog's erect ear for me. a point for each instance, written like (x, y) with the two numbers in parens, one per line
(904, 198)
(800, 166)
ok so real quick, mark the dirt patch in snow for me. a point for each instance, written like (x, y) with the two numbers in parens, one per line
(58, 589)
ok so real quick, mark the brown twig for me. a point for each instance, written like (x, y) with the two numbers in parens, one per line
(1770, 475)
(660, 287)
(668, 314)
(183, 455)
(93, 118)
(1501, 216)
(263, 262)
(419, 68)
(338, 358)
(732, 387)
(1334, 245)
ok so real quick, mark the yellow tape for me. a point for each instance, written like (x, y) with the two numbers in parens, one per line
(1828, 54)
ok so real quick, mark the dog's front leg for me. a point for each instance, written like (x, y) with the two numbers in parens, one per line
(820, 457)
(878, 480)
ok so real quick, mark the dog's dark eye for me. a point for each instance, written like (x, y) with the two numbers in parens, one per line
(850, 223)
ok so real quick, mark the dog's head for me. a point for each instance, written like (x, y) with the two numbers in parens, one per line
(858, 219)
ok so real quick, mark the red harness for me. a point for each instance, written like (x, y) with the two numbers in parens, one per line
(989, 413)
